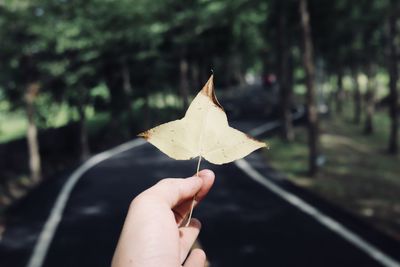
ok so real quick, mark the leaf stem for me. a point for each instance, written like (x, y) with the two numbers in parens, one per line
(194, 198)
(198, 166)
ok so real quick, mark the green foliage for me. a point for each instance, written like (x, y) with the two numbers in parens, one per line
(70, 47)
(107, 54)
(350, 34)
(13, 124)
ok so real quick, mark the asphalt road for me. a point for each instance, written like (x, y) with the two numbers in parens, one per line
(244, 223)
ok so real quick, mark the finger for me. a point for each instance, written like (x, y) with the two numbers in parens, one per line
(182, 210)
(174, 191)
(208, 178)
(188, 236)
(197, 258)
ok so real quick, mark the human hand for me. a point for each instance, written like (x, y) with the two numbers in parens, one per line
(152, 235)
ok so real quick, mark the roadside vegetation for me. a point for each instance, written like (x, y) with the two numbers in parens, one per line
(357, 173)
(13, 124)
(15, 182)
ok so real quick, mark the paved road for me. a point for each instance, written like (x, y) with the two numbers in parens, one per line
(244, 223)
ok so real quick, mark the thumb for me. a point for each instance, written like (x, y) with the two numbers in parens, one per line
(176, 190)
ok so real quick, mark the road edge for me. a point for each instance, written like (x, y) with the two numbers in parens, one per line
(46, 236)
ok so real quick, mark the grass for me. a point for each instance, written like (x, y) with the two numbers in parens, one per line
(358, 174)
(13, 125)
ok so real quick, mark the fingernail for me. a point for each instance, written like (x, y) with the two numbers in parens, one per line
(195, 223)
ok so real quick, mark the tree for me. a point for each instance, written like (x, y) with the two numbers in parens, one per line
(70, 68)
(184, 80)
(339, 91)
(394, 76)
(333, 36)
(19, 73)
(370, 99)
(356, 97)
(285, 71)
(371, 40)
(32, 90)
(308, 62)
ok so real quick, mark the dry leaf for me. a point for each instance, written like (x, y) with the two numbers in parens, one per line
(204, 132)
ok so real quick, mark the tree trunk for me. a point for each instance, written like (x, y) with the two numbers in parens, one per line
(83, 133)
(357, 98)
(312, 113)
(369, 103)
(126, 80)
(236, 65)
(147, 111)
(35, 169)
(128, 90)
(339, 93)
(6, 193)
(119, 100)
(394, 76)
(184, 81)
(284, 72)
(195, 76)
(204, 71)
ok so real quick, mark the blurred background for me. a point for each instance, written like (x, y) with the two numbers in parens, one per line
(79, 77)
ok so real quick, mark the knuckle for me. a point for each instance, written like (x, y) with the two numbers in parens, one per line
(138, 199)
(200, 253)
(141, 198)
(170, 185)
(166, 182)
(156, 192)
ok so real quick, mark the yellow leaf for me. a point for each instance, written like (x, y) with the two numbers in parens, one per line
(203, 131)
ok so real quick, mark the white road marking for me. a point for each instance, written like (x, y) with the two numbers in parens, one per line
(47, 234)
(274, 124)
(264, 128)
(322, 218)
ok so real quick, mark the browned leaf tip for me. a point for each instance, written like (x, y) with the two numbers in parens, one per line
(258, 141)
(145, 134)
(209, 91)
